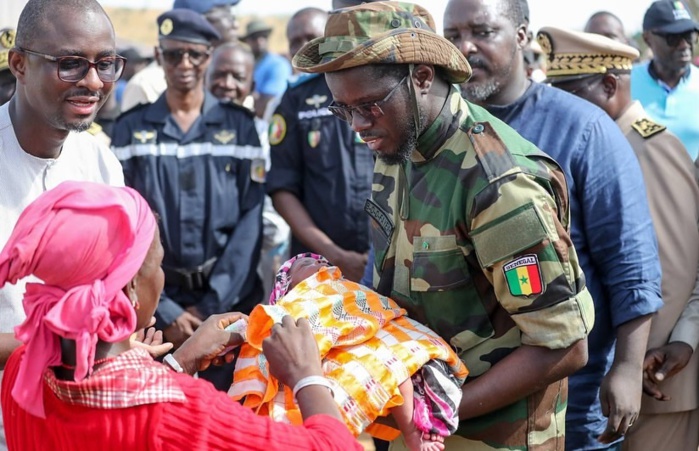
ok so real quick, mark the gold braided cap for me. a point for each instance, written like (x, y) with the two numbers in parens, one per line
(7, 41)
(571, 54)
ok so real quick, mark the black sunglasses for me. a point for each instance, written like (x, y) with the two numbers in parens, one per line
(674, 39)
(369, 111)
(72, 69)
(174, 56)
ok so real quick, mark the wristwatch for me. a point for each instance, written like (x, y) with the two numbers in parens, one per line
(172, 363)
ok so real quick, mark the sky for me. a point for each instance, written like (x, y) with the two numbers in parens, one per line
(561, 13)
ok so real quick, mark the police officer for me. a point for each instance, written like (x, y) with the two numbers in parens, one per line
(7, 79)
(321, 171)
(470, 222)
(669, 416)
(200, 165)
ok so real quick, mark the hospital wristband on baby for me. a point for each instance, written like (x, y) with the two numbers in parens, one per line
(312, 380)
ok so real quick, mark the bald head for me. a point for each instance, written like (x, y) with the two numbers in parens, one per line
(304, 26)
(229, 77)
(35, 14)
(606, 24)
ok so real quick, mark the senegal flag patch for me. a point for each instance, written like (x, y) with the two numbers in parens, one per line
(523, 276)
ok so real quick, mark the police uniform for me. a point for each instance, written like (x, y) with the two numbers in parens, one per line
(321, 161)
(471, 235)
(207, 187)
(673, 198)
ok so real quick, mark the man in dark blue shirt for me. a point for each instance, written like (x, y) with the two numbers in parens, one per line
(200, 166)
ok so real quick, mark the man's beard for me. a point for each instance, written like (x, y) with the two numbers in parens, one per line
(77, 127)
(405, 148)
(480, 93)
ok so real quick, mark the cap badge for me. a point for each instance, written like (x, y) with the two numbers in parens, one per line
(166, 27)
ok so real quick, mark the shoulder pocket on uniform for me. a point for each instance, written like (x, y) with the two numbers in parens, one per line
(438, 264)
(511, 234)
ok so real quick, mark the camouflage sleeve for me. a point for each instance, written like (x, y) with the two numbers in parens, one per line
(524, 248)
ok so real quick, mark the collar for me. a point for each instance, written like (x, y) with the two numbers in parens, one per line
(442, 128)
(133, 378)
(655, 76)
(159, 111)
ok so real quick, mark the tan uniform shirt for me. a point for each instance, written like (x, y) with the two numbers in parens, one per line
(673, 197)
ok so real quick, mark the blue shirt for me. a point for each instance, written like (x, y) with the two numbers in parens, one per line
(206, 186)
(271, 74)
(675, 108)
(611, 229)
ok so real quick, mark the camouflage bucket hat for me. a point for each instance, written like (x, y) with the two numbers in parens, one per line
(381, 33)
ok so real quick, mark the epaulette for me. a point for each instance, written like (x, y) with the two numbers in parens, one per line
(647, 128)
(94, 129)
(493, 155)
(301, 79)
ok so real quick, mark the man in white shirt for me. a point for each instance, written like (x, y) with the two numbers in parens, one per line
(65, 71)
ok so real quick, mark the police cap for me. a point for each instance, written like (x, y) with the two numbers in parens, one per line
(186, 25)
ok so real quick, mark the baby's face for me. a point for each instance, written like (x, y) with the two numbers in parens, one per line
(302, 269)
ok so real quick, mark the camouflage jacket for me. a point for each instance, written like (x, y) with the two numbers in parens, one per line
(471, 237)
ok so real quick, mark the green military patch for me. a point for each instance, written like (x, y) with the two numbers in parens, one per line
(509, 235)
(224, 136)
(145, 136)
(523, 276)
(277, 129)
(314, 138)
(647, 128)
(258, 172)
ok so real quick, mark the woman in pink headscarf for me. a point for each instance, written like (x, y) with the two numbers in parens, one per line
(77, 382)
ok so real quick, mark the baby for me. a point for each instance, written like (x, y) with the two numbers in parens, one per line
(378, 360)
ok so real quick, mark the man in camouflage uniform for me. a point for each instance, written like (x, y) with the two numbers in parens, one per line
(470, 223)
(669, 415)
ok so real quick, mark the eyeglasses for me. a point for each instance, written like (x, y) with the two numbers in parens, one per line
(72, 69)
(674, 39)
(369, 111)
(174, 56)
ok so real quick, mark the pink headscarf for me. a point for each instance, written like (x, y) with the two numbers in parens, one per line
(85, 241)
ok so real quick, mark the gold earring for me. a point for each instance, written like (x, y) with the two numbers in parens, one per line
(134, 301)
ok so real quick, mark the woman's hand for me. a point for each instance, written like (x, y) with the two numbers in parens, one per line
(208, 342)
(151, 340)
(292, 352)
